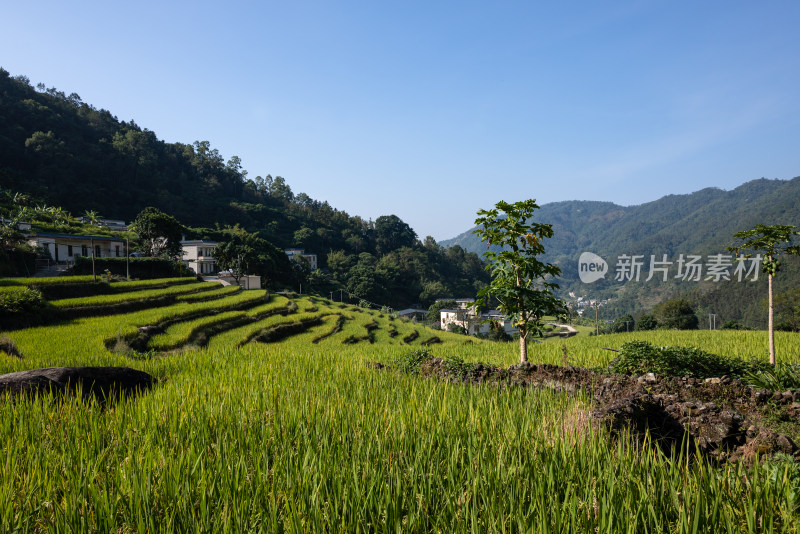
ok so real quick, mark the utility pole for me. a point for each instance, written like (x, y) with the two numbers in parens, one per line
(127, 259)
(712, 321)
(94, 274)
(596, 318)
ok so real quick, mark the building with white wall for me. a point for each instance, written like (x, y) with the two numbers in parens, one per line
(295, 253)
(198, 255)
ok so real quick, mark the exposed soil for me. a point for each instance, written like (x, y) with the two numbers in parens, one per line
(723, 418)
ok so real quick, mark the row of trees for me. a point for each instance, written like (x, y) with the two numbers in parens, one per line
(401, 272)
(58, 148)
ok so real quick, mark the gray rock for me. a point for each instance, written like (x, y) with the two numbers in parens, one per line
(101, 382)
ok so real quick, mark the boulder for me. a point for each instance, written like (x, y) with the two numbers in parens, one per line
(101, 382)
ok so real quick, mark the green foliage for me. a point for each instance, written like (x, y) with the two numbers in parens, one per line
(641, 357)
(646, 322)
(434, 314)
(20, 300)
(157, 267)
(456, 329)
(781, 377)
(774, 241)
(391, 233)
(457, 368)
(733, 325)
(521, 283)
(159, 233)
(410, 362)
(787, 310)
(85, 160)
(677, 314)
(622, 324)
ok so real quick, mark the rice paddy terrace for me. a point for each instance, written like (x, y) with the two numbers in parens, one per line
(265, 416)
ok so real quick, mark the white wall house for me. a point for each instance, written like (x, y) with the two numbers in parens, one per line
(64, 248)
(474, 323)
(198, 255)
(295, 253)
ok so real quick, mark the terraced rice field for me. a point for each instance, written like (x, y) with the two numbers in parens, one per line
(267, 418)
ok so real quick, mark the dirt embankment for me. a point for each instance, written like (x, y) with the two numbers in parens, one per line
(723, 418)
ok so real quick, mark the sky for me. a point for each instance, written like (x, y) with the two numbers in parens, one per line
(433, 110)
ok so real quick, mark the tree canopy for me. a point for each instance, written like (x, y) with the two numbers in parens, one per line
(521, 283)
(159, 233)
(773, 241)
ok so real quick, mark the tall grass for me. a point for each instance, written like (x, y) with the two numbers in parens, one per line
(282, 437)
(293, 436)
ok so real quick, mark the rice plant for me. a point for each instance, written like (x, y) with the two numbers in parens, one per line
(296, 436)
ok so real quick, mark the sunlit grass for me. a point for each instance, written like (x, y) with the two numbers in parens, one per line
(298, 436)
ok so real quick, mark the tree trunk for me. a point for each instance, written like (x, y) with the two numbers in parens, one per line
(771, 325)
(523, 327)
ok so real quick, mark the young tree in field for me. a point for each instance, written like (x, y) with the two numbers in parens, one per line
(772, 241)
(521, 282)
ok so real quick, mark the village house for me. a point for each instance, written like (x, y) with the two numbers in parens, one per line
(198, 255)
(466, 316)
(64, 248)
(295, 253)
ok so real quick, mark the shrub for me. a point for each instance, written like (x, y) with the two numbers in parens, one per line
(20, 300)
(640, 357)
(782, 377)
(456, 329)
(733, 325)
(410, 362)
(144, 268)
(646, 322)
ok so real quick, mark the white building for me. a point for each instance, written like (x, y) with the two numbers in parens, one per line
(198, 255)
(475, 323)
(64, 248)
(295, 253)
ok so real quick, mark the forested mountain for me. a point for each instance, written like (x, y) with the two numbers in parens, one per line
(64, 152)
(700, 223)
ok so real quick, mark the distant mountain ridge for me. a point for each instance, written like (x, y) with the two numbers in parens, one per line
(700, 223)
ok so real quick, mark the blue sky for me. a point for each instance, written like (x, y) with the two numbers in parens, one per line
(433, 110)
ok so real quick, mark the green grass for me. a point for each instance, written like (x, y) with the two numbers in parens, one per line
(297, 436)
(132, 296)
(182, 333)
(206, 295)
(46, 281)
(152, 283)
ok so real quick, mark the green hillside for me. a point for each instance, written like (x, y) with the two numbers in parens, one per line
(60, 151)
(700, 223)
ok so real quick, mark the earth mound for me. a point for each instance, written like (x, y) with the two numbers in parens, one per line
(721, 417)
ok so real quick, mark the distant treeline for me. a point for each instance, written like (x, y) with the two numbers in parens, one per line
(62, 151)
